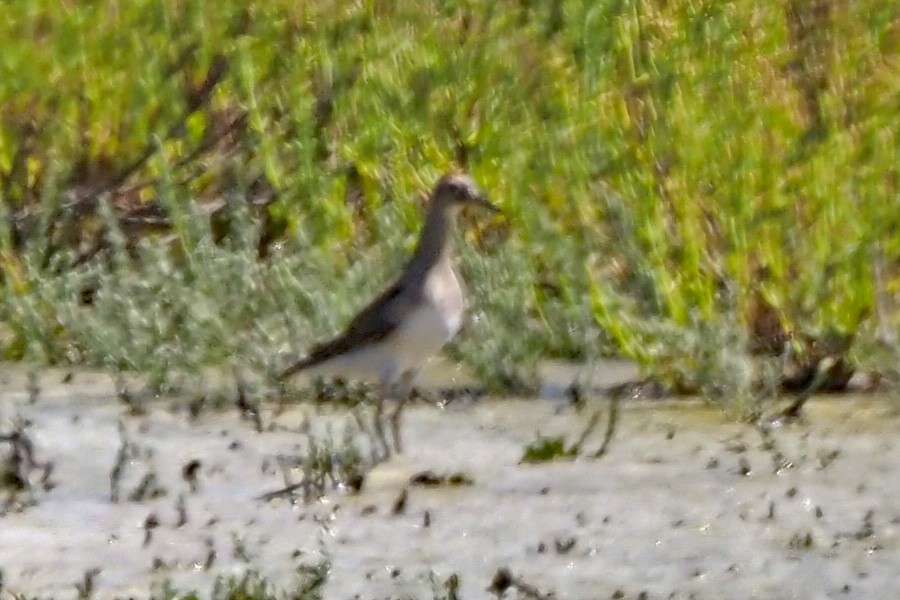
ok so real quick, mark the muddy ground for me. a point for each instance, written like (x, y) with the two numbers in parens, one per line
(685, 504)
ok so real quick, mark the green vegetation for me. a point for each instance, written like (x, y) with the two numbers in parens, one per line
(253, 586)
(692, 185)
(546, 449)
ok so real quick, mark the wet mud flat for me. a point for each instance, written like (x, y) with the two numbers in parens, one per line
(684, 504)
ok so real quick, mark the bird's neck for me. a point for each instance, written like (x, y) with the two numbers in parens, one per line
(435, 243)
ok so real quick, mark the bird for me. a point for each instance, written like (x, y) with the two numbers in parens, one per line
(409, 322)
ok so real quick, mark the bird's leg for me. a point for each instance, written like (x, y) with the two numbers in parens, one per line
(380, 438)
(403, 395)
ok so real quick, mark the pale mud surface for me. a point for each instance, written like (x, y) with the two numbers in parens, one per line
(685, 504)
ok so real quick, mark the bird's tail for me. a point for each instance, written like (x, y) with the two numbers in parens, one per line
(315, 359)
(294, 369)
(317, 355)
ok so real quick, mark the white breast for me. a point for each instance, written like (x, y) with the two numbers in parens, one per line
(421, 335)
(444, 294)
(433, 323)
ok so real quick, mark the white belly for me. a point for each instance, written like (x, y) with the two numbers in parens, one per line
(434, 323)
(421, 335)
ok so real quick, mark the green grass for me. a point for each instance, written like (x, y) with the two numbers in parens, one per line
(668, 172)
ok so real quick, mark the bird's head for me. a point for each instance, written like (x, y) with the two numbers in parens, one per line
(455, 191)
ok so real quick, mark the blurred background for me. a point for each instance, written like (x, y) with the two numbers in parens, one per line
(707, 188)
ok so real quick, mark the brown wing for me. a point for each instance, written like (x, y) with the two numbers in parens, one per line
(375, 322)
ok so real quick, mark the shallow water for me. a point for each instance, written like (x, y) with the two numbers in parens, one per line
(685, 504)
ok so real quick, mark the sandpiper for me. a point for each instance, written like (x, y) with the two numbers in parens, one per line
(405, 326)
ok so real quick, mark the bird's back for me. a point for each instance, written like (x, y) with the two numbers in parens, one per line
(372, 325)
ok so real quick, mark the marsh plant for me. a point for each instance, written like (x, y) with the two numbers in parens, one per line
(693, 185)
(327, 464)
(310, 581)
(22, 475)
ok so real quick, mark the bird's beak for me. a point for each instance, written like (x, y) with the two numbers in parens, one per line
(482, 200)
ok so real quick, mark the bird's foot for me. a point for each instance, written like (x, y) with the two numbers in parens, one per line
(395, 428)
(381, 450)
